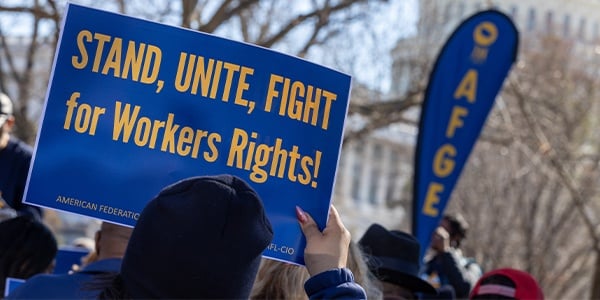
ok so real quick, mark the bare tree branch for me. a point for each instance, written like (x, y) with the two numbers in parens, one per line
(35, 11)
(224, 13)
(188, 10)
(561, 171)
(317, 13)
(382, 113)
(9, 58)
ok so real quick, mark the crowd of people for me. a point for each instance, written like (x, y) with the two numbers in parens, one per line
(203, 238)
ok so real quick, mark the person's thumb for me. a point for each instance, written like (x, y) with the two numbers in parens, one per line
(335, 222)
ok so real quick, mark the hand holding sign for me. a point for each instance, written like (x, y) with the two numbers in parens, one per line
(327, 249)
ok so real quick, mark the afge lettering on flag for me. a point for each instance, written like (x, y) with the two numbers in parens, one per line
(463, 85)
(134, 106)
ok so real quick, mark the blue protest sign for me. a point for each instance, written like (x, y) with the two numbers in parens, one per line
(10, 284)
(134, 106)
(463, 85)
(68, 256)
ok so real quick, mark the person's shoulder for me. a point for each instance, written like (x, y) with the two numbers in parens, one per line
(19, 148)
(43, 279)
(107, 265)
(24, 148)
(334, 284)
(46, 286)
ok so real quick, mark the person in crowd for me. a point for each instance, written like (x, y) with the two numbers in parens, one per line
(6, 212)
(15, 157)
(507, 283)
(203, 237)
(280, 280)
(110, 244)
(393, 258)
(446, 265)
(362, 275)
(84, 243)
(27, 248)
(88, 244)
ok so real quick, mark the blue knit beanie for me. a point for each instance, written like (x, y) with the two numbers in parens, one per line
(201, 237)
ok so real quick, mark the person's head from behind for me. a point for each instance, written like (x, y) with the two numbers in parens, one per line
(7, 120)
(393, 257)
(279, 280)
(84, 243)
(27, 248)
(357, 263)
(111, 240)
(456, 226)
(201, 237)
(507, 284)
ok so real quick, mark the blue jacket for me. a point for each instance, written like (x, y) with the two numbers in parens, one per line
(15, 160)
(334, 284)
(66, 286)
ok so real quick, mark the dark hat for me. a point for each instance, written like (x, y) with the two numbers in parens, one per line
(27, 247)
(6, 108)
(201, 237)
(393, 256)
(444, 292)
(521, 285)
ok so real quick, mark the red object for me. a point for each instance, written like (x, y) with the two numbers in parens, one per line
(526, 287)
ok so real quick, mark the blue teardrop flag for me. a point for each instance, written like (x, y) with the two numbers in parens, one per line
(463, 84)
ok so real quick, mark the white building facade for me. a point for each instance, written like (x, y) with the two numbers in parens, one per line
(374, 179)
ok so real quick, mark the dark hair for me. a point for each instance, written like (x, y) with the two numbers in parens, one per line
(496, 279)
(27, 247)
(458, 225)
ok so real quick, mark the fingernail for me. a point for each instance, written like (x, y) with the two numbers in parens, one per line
(301, 215)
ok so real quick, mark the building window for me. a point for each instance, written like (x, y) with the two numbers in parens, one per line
(377, 151)
(393, 176)
(357, 172)
(531, 20)
(374, 185)
(549, 21)
(567, 26)
(375, 178)
(356, 188)
(581, 31)
(390, 193)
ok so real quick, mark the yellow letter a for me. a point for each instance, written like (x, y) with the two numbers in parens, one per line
(467, 87)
